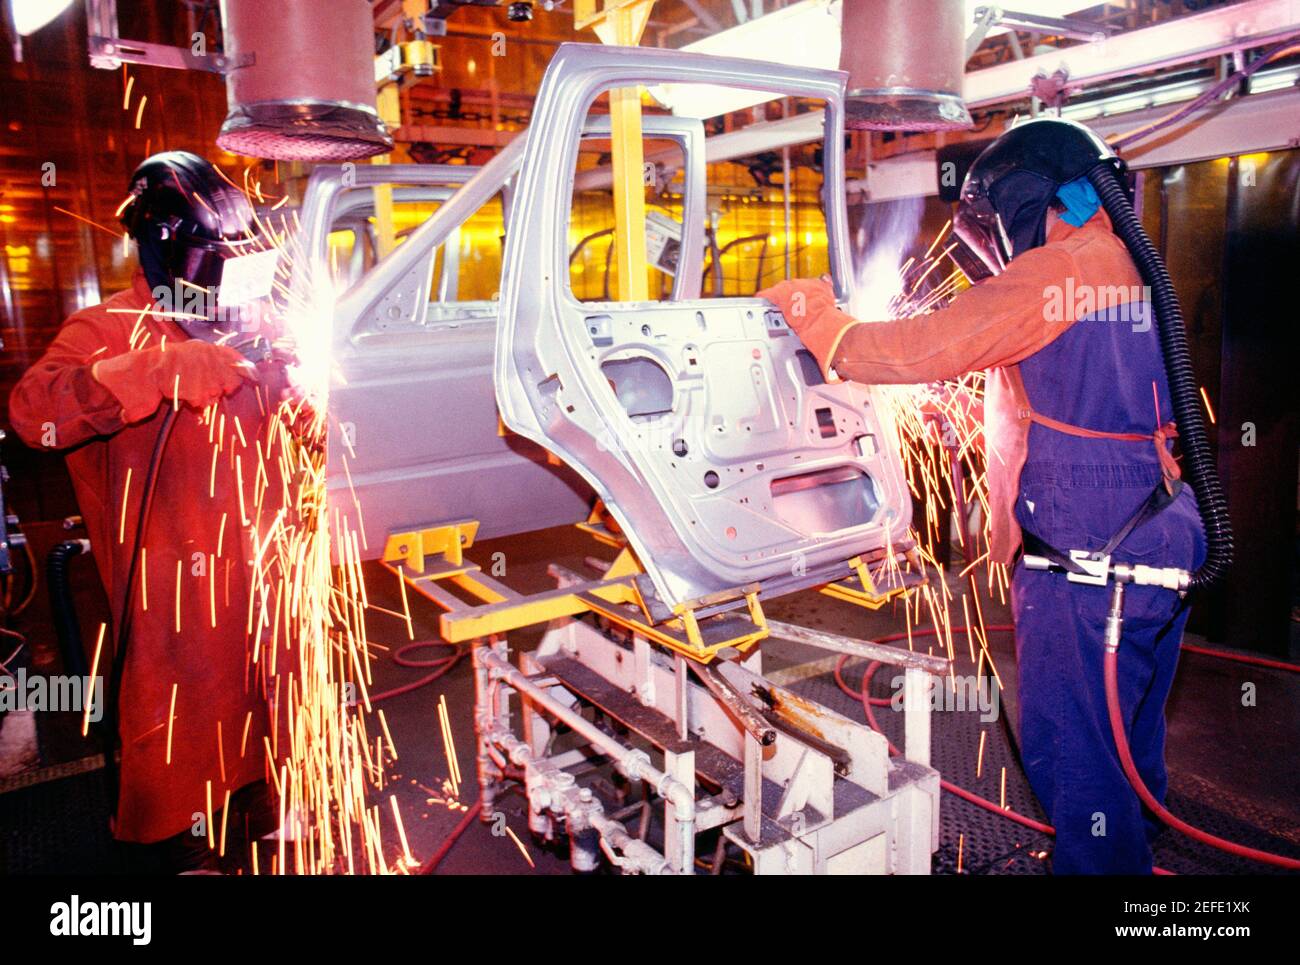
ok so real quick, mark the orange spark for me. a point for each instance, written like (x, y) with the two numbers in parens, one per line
(171, 717)
(520, 845)
(93, 224)
(94, 675)
(126, 493)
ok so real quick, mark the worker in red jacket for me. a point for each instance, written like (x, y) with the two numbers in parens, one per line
(192, 712)
(1078, 427)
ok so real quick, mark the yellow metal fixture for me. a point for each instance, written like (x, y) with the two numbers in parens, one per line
(405, 62)
(864, 593)
(432, 559)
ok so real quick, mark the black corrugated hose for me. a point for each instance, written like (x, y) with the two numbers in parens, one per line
(62, 609)
(123, 635)
(1185, 399)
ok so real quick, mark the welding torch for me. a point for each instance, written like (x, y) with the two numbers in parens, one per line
(1099, 572)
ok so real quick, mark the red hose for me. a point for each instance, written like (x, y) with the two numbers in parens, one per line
(443, 665)
(868, 702)
(1242, 658)
(1130, 770)
(449, 842)
(889, 638)
(1121, 743)
(951, 788)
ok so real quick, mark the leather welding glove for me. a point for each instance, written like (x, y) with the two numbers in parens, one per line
(808, 305)
(195, 372)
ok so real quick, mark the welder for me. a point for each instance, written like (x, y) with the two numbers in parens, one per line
(1088, 384)
(154, 410)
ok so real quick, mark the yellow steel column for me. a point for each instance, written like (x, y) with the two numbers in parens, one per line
(622, 22)
(389, 104)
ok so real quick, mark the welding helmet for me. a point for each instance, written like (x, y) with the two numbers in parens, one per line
(186, 220)
(1007, 191)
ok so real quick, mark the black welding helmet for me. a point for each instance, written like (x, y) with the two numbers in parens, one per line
(1010, 186)
(186, 220)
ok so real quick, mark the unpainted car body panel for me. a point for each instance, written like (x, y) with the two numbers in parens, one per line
(414, 438)
(703, 425)
(414, 434)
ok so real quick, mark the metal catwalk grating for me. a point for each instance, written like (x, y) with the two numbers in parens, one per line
(994, 845)
(59, 825)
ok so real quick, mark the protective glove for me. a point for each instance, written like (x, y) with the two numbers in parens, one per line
(808, 305)
(196, 372)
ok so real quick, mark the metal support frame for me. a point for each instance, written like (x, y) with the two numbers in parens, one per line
(795, 785)
(987, 18)
(428, 560)
(108, 51)
(389, 75)
(1218, 30)
(822, 796)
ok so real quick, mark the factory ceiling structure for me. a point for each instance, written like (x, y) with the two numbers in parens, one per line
(665, 437)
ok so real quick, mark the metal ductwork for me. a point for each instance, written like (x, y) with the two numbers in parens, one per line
(306, 89)
(905, 60)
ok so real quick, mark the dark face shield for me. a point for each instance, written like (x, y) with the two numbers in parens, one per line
(199, 265)
(982, 250)
(1006, 219)
(200, 261)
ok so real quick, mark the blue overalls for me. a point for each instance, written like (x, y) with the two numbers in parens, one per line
(1076, 493)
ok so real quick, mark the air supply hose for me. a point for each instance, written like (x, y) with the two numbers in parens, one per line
(1197, 454)
(1203, 472)
(123, 635)
(1155, 807)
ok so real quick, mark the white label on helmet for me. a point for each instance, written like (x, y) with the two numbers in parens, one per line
(246, 278)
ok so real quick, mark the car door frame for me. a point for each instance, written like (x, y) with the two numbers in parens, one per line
(540, 384)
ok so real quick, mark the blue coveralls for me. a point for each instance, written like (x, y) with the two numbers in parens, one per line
(1075, 493)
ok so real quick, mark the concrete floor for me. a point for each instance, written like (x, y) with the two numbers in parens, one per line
(1229, 764)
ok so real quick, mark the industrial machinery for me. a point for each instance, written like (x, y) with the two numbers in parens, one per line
(727, 469)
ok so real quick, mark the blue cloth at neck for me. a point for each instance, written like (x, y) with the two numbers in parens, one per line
(1080, 200)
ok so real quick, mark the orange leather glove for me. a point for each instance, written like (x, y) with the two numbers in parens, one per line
(196, 372)
(808, 305)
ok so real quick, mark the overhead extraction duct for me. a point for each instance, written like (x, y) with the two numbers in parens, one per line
(306, 91)
(905, 60)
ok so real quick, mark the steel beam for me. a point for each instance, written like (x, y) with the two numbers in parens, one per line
(1244, 125)
(1221, 30)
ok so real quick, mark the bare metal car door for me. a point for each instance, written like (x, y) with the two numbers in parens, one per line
(720, 450)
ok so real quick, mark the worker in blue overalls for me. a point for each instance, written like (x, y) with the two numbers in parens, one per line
(1079, 427)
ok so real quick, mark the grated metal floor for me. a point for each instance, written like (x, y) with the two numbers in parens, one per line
(1230, 767)
(990, 844)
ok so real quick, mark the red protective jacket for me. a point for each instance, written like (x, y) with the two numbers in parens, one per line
(194, 706)
(994, 325)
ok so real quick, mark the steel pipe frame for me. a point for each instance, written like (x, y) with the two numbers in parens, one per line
(494, 728)
(1221, 30)
(633, 764)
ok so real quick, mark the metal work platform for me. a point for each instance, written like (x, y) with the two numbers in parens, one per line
(676, 706)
